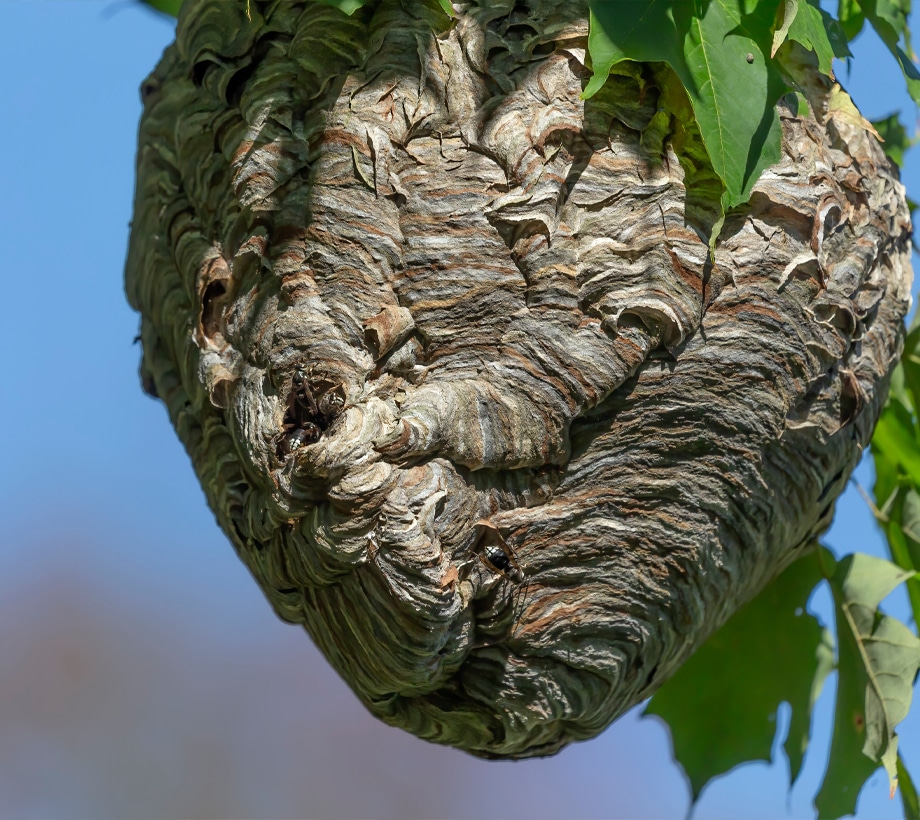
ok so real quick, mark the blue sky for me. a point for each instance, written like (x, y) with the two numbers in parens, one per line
(141, 672)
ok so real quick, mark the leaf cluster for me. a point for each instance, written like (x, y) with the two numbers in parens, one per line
(735, 59)
(777, 652)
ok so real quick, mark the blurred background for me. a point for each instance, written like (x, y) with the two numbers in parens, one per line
(141, 672)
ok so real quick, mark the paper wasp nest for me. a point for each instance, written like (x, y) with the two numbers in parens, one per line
(460, 381)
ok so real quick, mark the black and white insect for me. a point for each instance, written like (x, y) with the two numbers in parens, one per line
(492, 549)
(299, 437)
(313, 405)
(500, 559)
(504, 604)
(320, 398)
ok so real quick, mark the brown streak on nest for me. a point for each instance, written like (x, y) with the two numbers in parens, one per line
(491, 323)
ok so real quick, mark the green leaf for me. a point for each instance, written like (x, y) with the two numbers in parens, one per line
(865, 581)
(897, 506)
(786, 13)
(902, 529)
(776, 652)
(851, 17)
(840, 103)
(909, 366)
(347, 6)
(889, 19)
(735, 100)
(896, 139)
(818, 31)
(170, 7)
(896, 441)
(887, 484)
(848, 768)
(910, 523)
(911, 75)
(900, 393)
(799, 733)
(720, 49)
(799, 104)
(836, 36)
(878, 658)
(908, 793)
(351, 6)
(892, 13)
(907, 516)
(656, 132)
(622, 30)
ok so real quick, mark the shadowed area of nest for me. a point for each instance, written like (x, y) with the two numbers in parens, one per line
(456, 370)
(313, 404)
